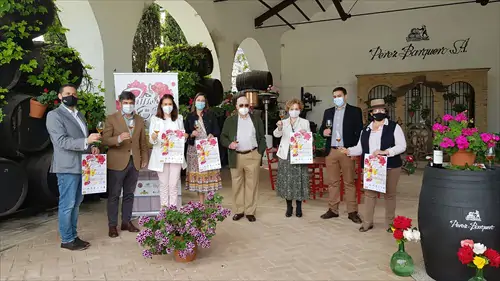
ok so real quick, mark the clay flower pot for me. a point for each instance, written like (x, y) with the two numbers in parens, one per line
(463, 157)
(189, 258)
(37, 110)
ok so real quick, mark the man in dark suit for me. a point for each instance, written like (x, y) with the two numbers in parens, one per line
(342, 125)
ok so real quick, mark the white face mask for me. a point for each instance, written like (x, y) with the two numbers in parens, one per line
(243, 110)
(294, 113)
(338, 101)
(128, 108)
(167, 109)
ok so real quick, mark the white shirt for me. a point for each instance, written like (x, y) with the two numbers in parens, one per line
(74, 113)
(376, 139)
(245, 135)
(162, 125)
(286, 132)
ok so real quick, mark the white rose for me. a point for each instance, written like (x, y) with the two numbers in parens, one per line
(416, 235)
(479, 248)
(408, 235)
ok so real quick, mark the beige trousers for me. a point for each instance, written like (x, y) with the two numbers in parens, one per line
(389, 197)
(338, 163)
(245, 181)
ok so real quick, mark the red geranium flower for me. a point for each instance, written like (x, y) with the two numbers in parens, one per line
(401, 222)
(398, 234)
(465, 255)
(45, 90)
(191, 101)
(56, 102)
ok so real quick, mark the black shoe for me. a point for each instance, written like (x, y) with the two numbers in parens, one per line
(237, 217)
(298, 209)
(354, 217)
(362, 229)
(81, 242)
(329, 214)
(73, 246)
(251, 218)
(289, 208)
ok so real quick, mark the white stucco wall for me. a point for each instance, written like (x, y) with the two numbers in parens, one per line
(324, 55)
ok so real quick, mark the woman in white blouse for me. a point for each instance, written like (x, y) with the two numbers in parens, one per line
(293, 180)
(381, 137)
(167, 118)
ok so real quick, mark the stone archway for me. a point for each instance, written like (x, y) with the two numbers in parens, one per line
(193, 27)
(254, 54)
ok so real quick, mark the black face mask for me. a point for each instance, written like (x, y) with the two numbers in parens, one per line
(70, 101)
(379, 116)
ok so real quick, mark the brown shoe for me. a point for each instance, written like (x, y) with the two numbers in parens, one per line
(113, 232)
(354, 217)
(237, 217)
(363, 229)
(130, 227)
(251, 218)
(329, 214)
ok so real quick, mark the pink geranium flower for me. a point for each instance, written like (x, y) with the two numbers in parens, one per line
(439, 128)
(462, 142)
(461, 117)
(448, 117)
(469, 131)
(447, 143)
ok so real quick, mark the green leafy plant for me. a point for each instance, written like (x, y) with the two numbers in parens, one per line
(459, 107)
(390, 100)
(177, 58)
(182, 229)
(91, 105)
(48, 98)
(171, 32)
(467, 167)
(450, 97)
(319, 141)
(425, 113)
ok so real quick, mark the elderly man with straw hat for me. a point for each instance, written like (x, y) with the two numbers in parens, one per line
(381, 137)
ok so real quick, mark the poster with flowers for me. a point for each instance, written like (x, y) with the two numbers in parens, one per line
(301, 148)
(375, 172)
(208, 154)
(172, 146)
(93, 173)
(148, 88)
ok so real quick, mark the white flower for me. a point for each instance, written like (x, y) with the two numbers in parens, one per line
(479, 248)
(416, 235)
(408, 235)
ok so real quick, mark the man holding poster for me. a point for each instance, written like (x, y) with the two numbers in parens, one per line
(124, 133)
(382, 137)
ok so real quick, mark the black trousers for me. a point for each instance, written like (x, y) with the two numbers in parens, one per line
(125, 180)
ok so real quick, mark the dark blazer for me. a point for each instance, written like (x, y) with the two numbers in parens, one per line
(351, 127)
(230, 129)
(209, 120)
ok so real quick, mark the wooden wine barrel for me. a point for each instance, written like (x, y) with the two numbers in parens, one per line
(458, 205)
(10, 74)
(203, 67)
(213, 89)
(254, 80)
(43, 189)
(13, 186)
(42, 20)
(19, 133)
(41, 52)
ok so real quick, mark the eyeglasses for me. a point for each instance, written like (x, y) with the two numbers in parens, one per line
(244, 105)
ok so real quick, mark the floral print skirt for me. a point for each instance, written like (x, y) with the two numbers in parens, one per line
(293, 180)
(197, 181)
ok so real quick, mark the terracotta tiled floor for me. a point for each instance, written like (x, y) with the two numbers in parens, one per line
(273, 248)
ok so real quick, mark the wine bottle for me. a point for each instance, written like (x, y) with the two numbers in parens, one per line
(437, 158)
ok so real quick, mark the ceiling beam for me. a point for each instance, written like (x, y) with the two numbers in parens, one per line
(320, 5)
(273, 11)
(343, 15)
(300, 11)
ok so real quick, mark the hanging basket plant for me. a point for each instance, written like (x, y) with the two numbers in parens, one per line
(425, 113)
(390, 100)
(459, 107)
(450, 97)
(415, 106)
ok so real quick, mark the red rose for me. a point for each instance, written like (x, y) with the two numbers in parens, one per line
(493, 256)
(401, 222)
(398, 234)
(465, 255)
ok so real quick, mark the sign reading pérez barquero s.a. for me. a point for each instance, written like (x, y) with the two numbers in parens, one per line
(409, 51)
(472, 222)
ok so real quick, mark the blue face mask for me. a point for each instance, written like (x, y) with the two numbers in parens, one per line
(200, 105)
(338, 101)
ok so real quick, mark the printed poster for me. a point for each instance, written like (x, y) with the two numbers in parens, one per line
(301, 148)
(172, 146)
(375, 173)
(148, 88)
(208, 154)
(93, 173)
(147, 188)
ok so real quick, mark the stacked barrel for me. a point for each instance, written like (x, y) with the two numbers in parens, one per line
(25, 150)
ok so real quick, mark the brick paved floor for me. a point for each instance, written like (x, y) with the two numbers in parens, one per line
(273, 248)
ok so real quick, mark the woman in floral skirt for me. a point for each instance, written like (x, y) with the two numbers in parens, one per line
(293, 179)
(200, 124)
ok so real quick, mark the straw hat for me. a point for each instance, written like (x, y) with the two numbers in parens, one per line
(377, 103)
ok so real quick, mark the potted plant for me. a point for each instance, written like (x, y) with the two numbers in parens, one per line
(401, 262)
(477, 256)
(319, 145)
(459, 108)
(450, 97)
(390, 100)
(39, 105)
(182, 230)
(414, 107)
(91, 105)
(424, 114)
(461, 142)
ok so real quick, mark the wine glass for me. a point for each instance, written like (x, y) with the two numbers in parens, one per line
(337, 137)
(282, 113)
(490, 155)
(328, 124)
(100, 127)
(196, 125)
(131, 124)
